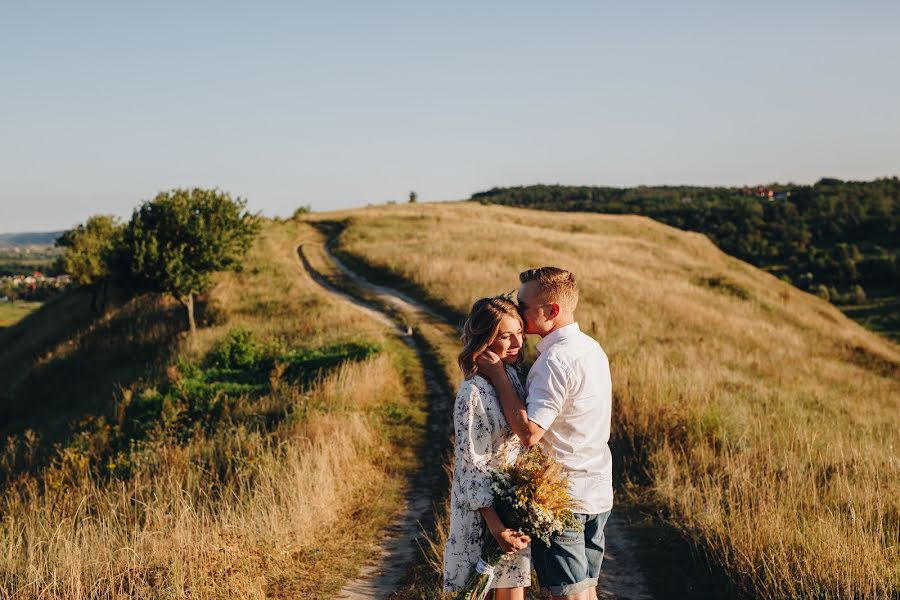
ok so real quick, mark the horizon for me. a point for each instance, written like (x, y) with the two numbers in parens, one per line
(125, 217)
(333, 107)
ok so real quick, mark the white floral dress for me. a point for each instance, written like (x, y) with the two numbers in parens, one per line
(484, 442)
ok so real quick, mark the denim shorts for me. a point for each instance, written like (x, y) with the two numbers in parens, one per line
(572, 561)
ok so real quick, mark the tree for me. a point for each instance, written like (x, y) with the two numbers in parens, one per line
(413, 197)
(90, 252)
(176, 241)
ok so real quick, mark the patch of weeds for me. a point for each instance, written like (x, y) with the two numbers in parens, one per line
(195, 399)
(239, 368)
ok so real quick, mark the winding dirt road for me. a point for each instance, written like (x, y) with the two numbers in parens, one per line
(622, 577)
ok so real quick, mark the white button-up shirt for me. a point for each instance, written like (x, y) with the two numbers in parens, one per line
(569, 394)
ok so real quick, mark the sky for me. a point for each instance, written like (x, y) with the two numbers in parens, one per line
(342, 104)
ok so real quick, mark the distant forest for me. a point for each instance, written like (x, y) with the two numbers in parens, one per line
(838, 239)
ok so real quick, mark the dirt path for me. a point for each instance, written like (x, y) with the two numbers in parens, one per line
(622, 576)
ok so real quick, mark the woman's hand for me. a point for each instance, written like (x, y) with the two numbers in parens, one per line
(510, 540)
(490, 366)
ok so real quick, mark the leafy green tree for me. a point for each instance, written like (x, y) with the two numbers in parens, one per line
(413, 197)
(90, 255)
(176, 241)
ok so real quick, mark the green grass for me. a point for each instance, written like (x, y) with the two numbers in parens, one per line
(13, 312)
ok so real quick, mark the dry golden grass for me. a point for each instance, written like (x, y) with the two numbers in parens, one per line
(763, 423)
(242, 511)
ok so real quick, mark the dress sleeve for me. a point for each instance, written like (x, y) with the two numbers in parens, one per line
(473, 446)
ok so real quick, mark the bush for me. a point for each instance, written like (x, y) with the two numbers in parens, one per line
(239, 350)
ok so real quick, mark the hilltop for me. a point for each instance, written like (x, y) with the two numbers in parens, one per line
(837, 239)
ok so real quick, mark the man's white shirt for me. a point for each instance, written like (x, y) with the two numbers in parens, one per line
(569, 394)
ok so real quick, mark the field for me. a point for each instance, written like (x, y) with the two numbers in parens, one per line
(756, 419)
(233, 465)
(12, 312)
(264, 457)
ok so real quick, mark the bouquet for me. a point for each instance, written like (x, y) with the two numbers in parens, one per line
(532, 496)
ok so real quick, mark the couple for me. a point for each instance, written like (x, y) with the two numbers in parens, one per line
(565, 405)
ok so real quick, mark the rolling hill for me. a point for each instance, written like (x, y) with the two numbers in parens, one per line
(755, 418)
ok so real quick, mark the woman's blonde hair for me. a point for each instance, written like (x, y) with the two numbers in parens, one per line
(481, 328)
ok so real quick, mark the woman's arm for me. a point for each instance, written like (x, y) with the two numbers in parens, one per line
(491, 368)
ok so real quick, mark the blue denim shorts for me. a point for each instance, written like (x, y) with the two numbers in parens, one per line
(571, 563)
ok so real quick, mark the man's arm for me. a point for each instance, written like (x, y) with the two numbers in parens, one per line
(490, 367)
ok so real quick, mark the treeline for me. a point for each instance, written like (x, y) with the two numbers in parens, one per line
(836, 238)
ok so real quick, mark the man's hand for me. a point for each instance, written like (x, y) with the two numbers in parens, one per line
(490, 366)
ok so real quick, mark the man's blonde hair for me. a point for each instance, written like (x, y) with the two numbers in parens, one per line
(557, 285)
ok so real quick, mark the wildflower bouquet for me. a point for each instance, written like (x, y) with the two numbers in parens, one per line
(532, 496)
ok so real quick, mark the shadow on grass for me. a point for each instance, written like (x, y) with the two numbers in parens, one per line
(881, 315)
(62, 362)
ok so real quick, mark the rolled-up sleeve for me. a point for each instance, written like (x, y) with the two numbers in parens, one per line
(547, 391)
(473, 447)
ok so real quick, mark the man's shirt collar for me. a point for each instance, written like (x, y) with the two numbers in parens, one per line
(557, 336)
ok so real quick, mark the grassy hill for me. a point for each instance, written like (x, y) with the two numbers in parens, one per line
(836, 239)
(755, 418)
(138, 463)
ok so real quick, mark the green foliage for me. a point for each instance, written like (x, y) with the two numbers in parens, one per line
(90, 249)
(413, 197)
(237, 369)
(239, 350)
(175, 242)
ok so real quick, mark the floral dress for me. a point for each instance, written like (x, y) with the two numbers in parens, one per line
(484, 442)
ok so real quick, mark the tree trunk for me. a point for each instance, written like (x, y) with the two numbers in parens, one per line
(188, 302)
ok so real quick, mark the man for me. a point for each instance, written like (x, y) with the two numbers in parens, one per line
(567, 408)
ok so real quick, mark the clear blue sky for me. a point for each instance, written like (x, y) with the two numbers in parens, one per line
(339, 104)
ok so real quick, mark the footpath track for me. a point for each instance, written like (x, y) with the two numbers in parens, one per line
(622, 577)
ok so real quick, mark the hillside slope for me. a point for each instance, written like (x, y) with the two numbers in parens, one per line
(757, 418)
(230, 466)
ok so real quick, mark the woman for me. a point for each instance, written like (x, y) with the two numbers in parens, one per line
(484, 442)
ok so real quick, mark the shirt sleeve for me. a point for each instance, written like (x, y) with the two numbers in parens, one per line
(473, 447)
(547, 393)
